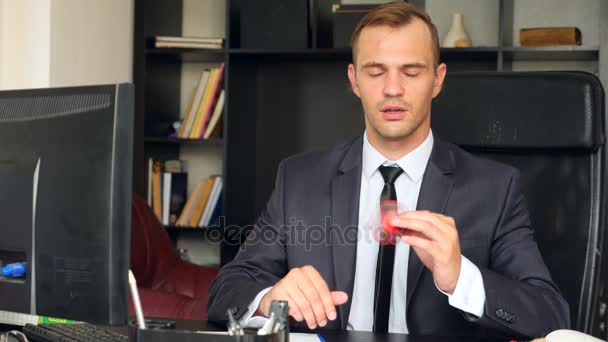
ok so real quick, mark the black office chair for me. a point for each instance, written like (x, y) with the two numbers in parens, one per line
(551, 126)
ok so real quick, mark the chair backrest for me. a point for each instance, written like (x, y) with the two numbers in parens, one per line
(551, 126)
(152, 252)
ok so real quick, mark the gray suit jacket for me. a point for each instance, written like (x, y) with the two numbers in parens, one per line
(312, 217)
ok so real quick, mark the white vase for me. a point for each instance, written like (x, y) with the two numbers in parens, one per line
(457, 36)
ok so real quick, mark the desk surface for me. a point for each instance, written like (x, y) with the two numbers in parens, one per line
(330, 336)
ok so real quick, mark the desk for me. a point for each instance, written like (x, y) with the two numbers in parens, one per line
(331, 336)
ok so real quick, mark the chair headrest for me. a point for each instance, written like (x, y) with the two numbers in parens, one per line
(521, 110)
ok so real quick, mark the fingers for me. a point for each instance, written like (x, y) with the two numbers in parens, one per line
(313, 293)
(421, 242)
(309, 296)
(436, 227)
(304, 307)
(294, 311)
(420, 225)
(339, 297)
(329, 310)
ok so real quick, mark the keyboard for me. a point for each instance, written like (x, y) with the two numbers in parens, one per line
(79, 332)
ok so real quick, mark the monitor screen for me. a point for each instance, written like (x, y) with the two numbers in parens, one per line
(65, 194)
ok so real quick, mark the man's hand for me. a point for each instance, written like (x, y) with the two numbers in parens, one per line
(435, 240)
(308, 296)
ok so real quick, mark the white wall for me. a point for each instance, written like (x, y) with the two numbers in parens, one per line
(91, 42)
(50, 43)
(24, 43)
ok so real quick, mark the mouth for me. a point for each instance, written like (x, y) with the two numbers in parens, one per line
(393, 112)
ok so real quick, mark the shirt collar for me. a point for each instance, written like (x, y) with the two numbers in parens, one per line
(413, 163)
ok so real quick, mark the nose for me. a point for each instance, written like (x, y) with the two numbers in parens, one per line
(393, 86)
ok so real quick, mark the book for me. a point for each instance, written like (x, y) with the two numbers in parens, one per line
(166, 178)
(161, 185)
(156, 200)
(202, 202)
(186, 214)
(210, 205)
(149, 193)
(206, 98)
(187, 45)
(217, 212)
(215, 118)
(184, 116)
(199, 126)
(187, 39)
(178, 196)
(174, 165)
(186, 126)
(546, 36)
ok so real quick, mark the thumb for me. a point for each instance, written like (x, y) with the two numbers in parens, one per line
(339, 297)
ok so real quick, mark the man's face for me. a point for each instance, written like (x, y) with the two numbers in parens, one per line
(393, 75)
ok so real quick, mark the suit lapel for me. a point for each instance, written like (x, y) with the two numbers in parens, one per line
(434, 193)
(345, 191)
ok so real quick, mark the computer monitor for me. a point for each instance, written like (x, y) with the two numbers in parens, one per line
(65, 196)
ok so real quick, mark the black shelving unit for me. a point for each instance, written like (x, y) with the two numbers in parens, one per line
(281, 102)
(166, 140)
(210, 234)
(551, 53)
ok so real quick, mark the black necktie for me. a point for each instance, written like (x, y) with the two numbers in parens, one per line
(386, 258)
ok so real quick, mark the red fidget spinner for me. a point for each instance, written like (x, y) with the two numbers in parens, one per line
(389, 211)
(386, 222)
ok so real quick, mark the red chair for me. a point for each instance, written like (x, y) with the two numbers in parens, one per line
(168, 286)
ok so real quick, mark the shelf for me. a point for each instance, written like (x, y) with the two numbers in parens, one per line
(164, 140)
(469, 54)
(212, 233)
(551, 53)
(474, 53)
(186, 55)
(189, 229)
(292, 54)
(311, 51)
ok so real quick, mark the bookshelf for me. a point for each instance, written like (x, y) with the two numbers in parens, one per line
(164, 79)
(286, 101)
(166, 140)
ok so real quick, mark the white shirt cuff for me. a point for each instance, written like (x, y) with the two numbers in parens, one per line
(248, 320)
(469, 294)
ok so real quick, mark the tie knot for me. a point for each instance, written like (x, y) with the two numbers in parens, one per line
(390, 173)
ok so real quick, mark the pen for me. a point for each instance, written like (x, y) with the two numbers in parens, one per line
(269, 325)
(234, 328)
(136, 302)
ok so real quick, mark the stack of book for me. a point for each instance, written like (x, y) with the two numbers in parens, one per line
(188, 42)
(167, 189)
(203, 205)
(202, 118)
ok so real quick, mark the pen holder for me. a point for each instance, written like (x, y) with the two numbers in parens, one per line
(151, 324)
(165, 330)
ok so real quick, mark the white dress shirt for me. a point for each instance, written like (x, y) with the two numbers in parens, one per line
(469, 294)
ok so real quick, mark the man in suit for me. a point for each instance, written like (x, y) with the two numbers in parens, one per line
(464, 261)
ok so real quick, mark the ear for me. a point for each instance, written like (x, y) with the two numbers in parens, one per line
(439, 77)
(352, 77)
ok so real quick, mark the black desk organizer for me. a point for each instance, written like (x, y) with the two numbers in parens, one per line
(161, 330)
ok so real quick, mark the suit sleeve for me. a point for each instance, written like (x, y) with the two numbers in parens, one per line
(521, 297)
(259, 264)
